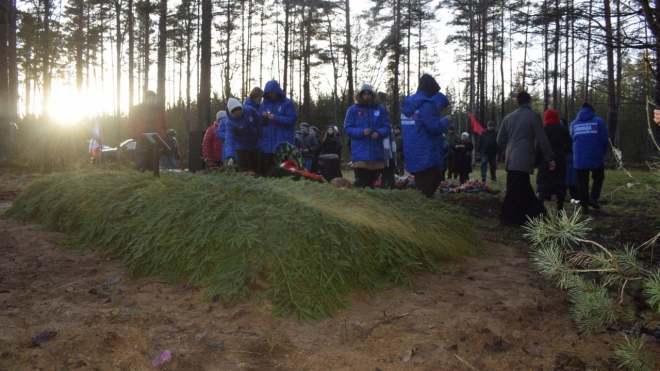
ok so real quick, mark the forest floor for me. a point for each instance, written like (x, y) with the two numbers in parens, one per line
(63, 310)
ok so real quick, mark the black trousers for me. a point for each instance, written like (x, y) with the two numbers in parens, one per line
(144, 155)
(248, 160)
(598, 176)
(387, 175)
(428, 180)
(266, 161)
(520, 201)
(365, 178)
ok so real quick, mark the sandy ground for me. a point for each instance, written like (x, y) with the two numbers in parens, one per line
(63, 310)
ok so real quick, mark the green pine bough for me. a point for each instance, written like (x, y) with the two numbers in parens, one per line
(597, 279)
(296, 247)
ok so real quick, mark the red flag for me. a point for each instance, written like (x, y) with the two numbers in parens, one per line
(476, 126)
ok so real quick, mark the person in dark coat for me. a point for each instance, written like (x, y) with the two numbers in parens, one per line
(463, 158)
(146, 117)
(398, 140)
(489, 151)
(521, 130)
(308, 145)
(332, 142)
(553, 182)
(571, 174)
(452, 138)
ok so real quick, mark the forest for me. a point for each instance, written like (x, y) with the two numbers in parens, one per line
(197, 53)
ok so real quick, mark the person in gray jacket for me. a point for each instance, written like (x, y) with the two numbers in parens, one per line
(521, 130)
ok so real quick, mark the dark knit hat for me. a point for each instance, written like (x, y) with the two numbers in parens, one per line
(313, 128)
(298, 132)
(587, 105)
(451, 127)
(304, 124)
(491, 123)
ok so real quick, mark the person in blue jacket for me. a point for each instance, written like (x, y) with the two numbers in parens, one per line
(422, 130)
(590, 142)
(366, 124)
(278, 119)
(242, 135)
(255, 98)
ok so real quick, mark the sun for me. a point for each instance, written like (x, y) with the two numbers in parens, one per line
(67, 107)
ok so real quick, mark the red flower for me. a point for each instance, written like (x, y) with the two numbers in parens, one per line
(361, 112)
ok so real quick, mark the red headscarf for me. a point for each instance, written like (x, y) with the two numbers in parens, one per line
(551, 117)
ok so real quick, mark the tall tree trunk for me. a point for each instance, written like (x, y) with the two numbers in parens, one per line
(243, 66)
(555, 72)
(396, 107)
(4, 77)
(502, 95)
(567, 95)
(586, 83)
(80, 43)
(248, 57)
(286, 45)
(546, 59)
(613, 116)
(12, 59)
(335, 74)
(571, 108)
(348, 51)
(147, 46)
(46, 155)
(409, 25)
(162, 53)
(45, 71)
(524, 74)
(119, 38)
(619, 69)
(131, 54)
(307, 96)
(188, 58)
(227, 50)
(261, 47)
(472, 62)
(204, 98)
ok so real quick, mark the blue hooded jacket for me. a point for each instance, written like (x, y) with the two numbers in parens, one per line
(360, 117)
(422, 127)
(251, 103)
(222, 134)
(282, 129)
(242, 133)
(590, 140)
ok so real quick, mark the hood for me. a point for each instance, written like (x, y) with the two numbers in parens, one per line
(551, 117)
(586, 114)
(441, 100)
(232, 104)
(273, 86)
(412, 103)
(428, 85)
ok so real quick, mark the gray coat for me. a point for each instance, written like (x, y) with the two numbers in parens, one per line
(521, 130)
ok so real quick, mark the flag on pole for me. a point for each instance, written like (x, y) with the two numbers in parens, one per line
(96, 141)
(476, 126)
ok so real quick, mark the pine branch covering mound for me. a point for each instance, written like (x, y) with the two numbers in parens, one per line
(300, 247)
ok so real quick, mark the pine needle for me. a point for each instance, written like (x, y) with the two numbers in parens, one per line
(300, 247)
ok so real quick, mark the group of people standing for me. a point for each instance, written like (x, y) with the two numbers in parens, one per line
(565, 157)
(248, 134)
